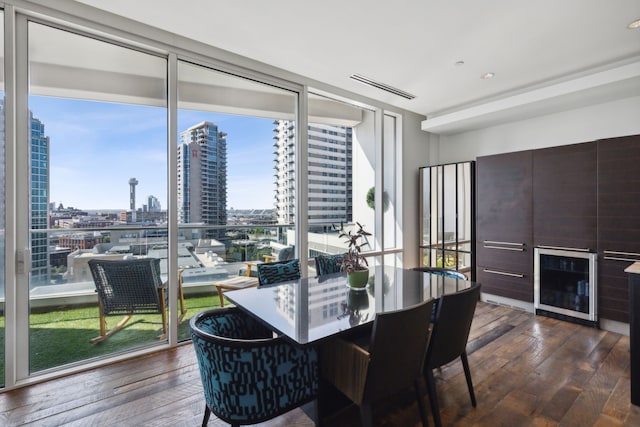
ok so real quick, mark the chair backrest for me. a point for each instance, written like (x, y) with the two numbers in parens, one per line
(286, 253)
(129, 285)
(399, 342)
(271, 273)
(447, 272)
(453, 317)
(328, 264)
(247, 375)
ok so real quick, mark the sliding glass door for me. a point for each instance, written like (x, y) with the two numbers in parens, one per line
(97, 179)
(229, 172)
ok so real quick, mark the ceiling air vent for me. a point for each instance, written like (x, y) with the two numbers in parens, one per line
(386, 88)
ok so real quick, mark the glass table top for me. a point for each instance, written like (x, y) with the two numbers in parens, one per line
(314, 308)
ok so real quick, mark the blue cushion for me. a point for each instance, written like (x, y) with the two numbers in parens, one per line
(276, 272)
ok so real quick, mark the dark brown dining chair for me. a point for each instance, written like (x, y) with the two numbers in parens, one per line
(389, 362)
(449, 336)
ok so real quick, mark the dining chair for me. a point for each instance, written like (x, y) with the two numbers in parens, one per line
(127, 287)
(249, 376)
(328, 264)
(271, 273)
(390, 361)
(449, 336)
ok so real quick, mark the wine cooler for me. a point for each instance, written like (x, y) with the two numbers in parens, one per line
(565, 284)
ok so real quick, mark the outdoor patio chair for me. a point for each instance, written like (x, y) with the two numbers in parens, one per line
(389, 362)
(248, 376)
(328, 264)
(453, 317)
(127, 287)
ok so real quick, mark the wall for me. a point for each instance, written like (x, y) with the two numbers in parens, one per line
(414, 155)
(610, 119)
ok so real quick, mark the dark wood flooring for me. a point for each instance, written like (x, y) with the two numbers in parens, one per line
(527, 370)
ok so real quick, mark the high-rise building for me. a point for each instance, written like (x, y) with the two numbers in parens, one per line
(202, 176)
(153, 204)
(39, 154)
(330, 183)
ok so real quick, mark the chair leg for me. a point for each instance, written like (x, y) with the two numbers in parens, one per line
(467, 374)
(207, 414)
(104, 335)
(366, 415)
(423, 411)
(433, 397)
(183, 310)
(220, 296)
(163, 313)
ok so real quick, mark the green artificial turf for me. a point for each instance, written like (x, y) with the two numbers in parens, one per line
(62, 337)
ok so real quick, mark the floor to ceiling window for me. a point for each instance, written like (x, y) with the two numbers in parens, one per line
(97, 178)
(3, 181)
(234, 200)
(98, 140)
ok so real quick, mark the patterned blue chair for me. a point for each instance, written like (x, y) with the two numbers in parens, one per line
(446, 272)
(249, 376)
(328, 264)
(271, 273)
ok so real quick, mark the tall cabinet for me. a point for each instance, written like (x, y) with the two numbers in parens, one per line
(618, 222)
(447, 210)
(504, 222)
(580, 196)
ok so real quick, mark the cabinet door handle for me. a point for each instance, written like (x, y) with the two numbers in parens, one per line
(621, 256)
(622, 253)
(503, 273)
(504, 248)
(493, 242)
(561, 248)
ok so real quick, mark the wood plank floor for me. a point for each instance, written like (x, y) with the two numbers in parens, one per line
(527, 371)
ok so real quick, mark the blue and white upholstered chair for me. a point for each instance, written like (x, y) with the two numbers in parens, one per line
(271, 273)
(249, 376)
(328, 264)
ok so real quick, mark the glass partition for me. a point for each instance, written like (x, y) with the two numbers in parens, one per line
(447, 213)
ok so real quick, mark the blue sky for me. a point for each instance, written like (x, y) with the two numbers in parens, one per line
(95, 147)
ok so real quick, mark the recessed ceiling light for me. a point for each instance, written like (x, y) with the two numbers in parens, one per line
(487, 76)
(635, 24)
(458, 63)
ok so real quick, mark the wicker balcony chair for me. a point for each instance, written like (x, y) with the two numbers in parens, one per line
(248, 376)
(127, 287)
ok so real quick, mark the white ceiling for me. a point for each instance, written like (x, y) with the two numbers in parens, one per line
(413, 45)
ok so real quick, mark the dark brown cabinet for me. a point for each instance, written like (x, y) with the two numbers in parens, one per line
(582, 196)
(504, 221)
(618, 222)
(565, 197)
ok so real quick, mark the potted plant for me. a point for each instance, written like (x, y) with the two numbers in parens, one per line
(354, 263)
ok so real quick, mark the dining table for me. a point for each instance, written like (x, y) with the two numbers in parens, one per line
(312, 309)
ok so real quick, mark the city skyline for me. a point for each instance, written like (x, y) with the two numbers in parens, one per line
(87, 135)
